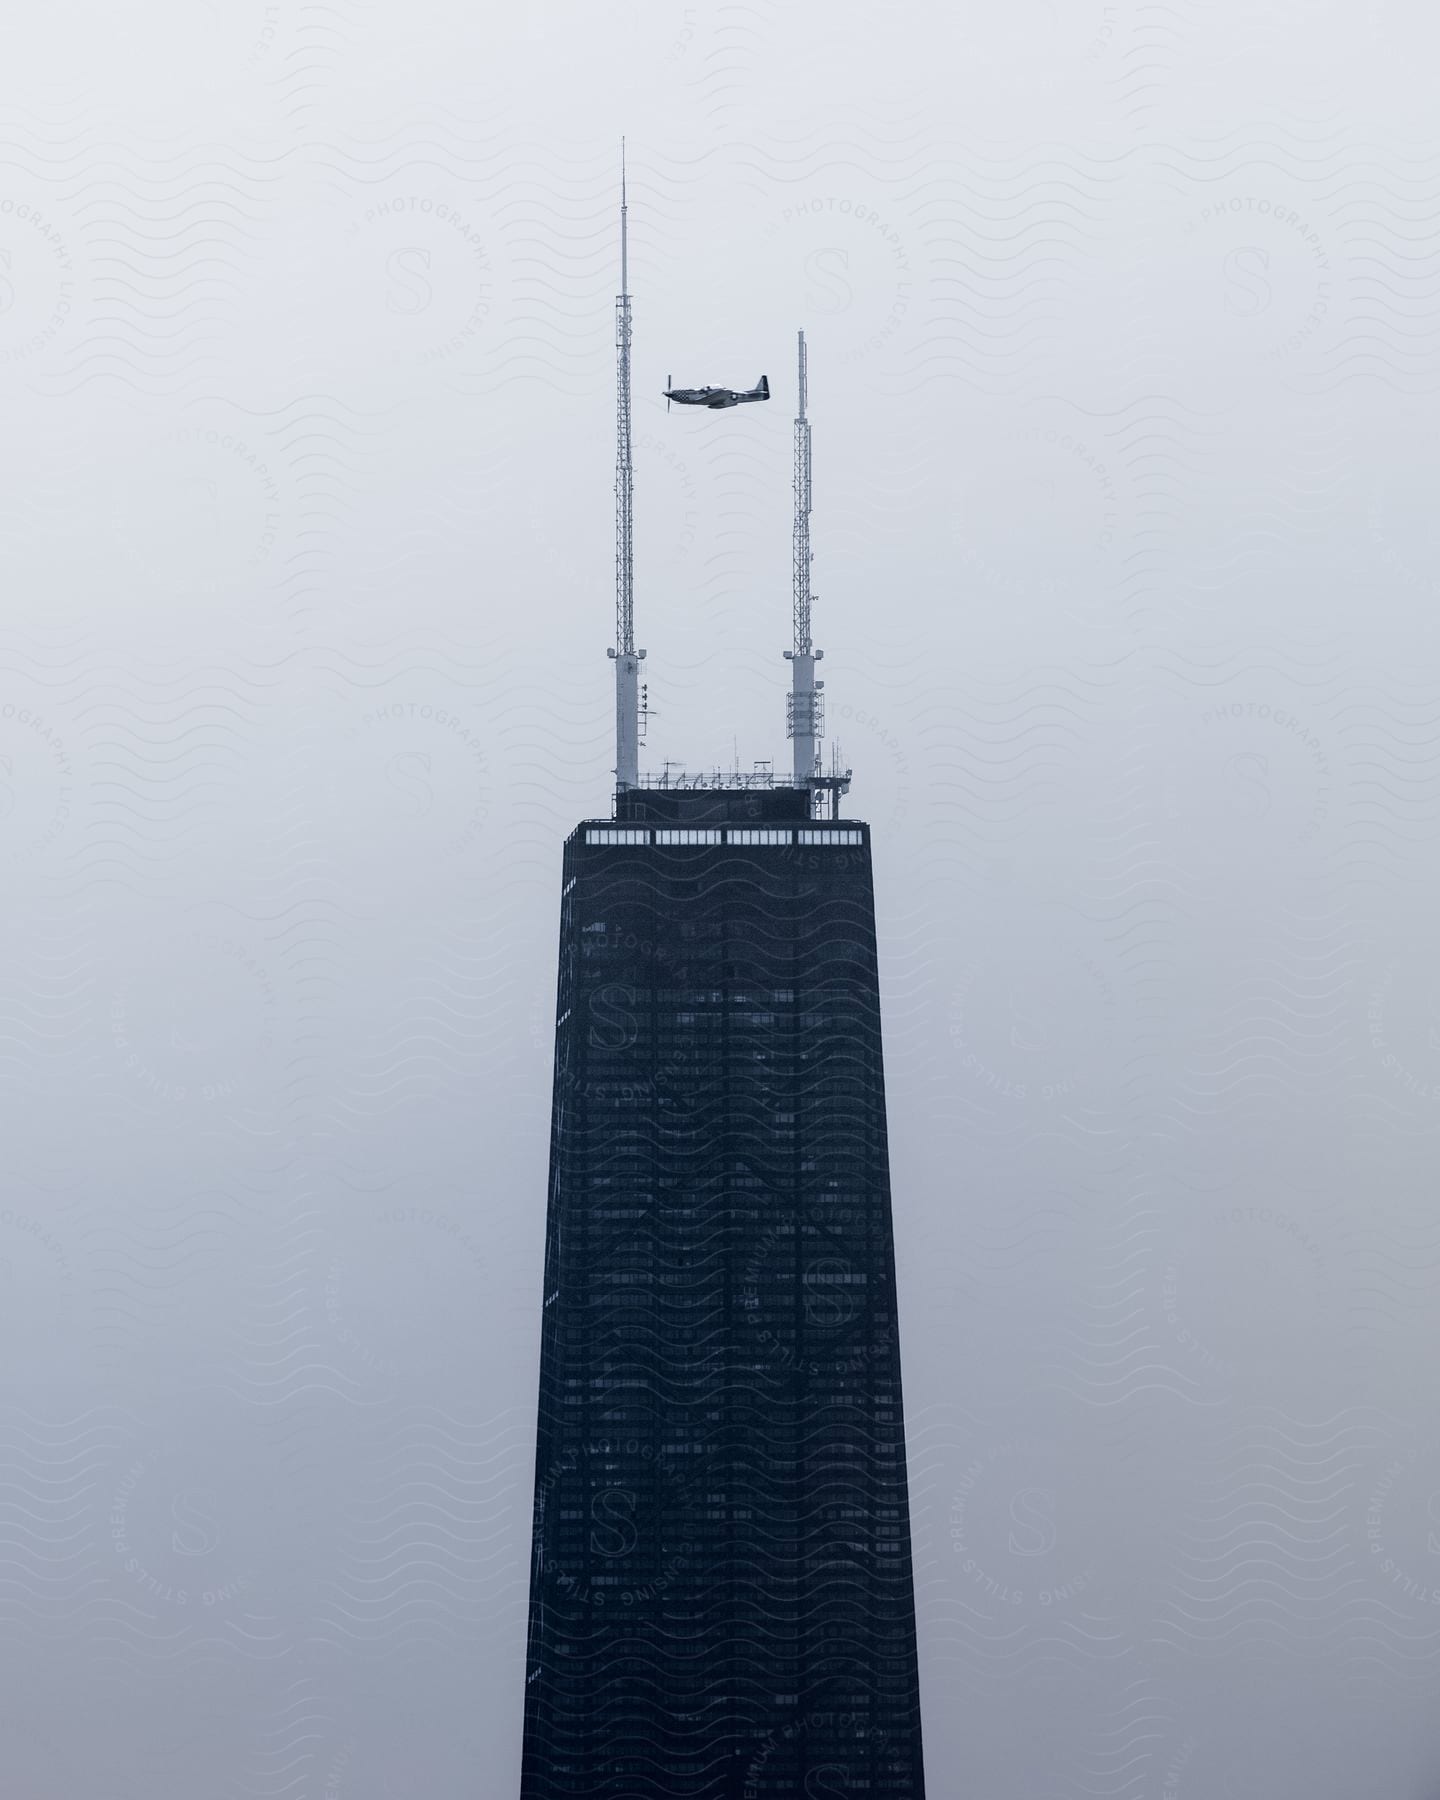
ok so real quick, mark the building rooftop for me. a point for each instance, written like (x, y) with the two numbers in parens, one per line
(712, 800)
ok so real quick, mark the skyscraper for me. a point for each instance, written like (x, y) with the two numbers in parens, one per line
(721, 1598)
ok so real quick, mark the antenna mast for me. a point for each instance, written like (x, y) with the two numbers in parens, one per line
(803, 551)
(805, 708)
(625, 655)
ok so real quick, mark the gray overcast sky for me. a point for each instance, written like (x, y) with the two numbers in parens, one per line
(1124, 355)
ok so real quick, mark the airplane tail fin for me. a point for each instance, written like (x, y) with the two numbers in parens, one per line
(669, 383)
(764, 387)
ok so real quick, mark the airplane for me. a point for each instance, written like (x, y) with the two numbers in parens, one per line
(715, 397)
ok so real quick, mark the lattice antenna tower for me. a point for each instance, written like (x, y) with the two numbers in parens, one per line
(626, 656)
(804, 711)
(804, 704)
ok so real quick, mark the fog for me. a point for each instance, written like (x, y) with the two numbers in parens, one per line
(1123, 355)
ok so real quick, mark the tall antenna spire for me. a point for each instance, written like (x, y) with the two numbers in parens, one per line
(626, 657)
(804, 707)
(803, 552)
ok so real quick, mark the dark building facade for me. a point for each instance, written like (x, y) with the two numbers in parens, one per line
(721, 1599)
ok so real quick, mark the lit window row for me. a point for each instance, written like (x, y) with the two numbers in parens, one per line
(623, 834)
(698, 996)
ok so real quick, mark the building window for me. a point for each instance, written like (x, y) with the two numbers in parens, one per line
(759, 837)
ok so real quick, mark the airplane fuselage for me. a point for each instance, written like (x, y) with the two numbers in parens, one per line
(716, 397)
